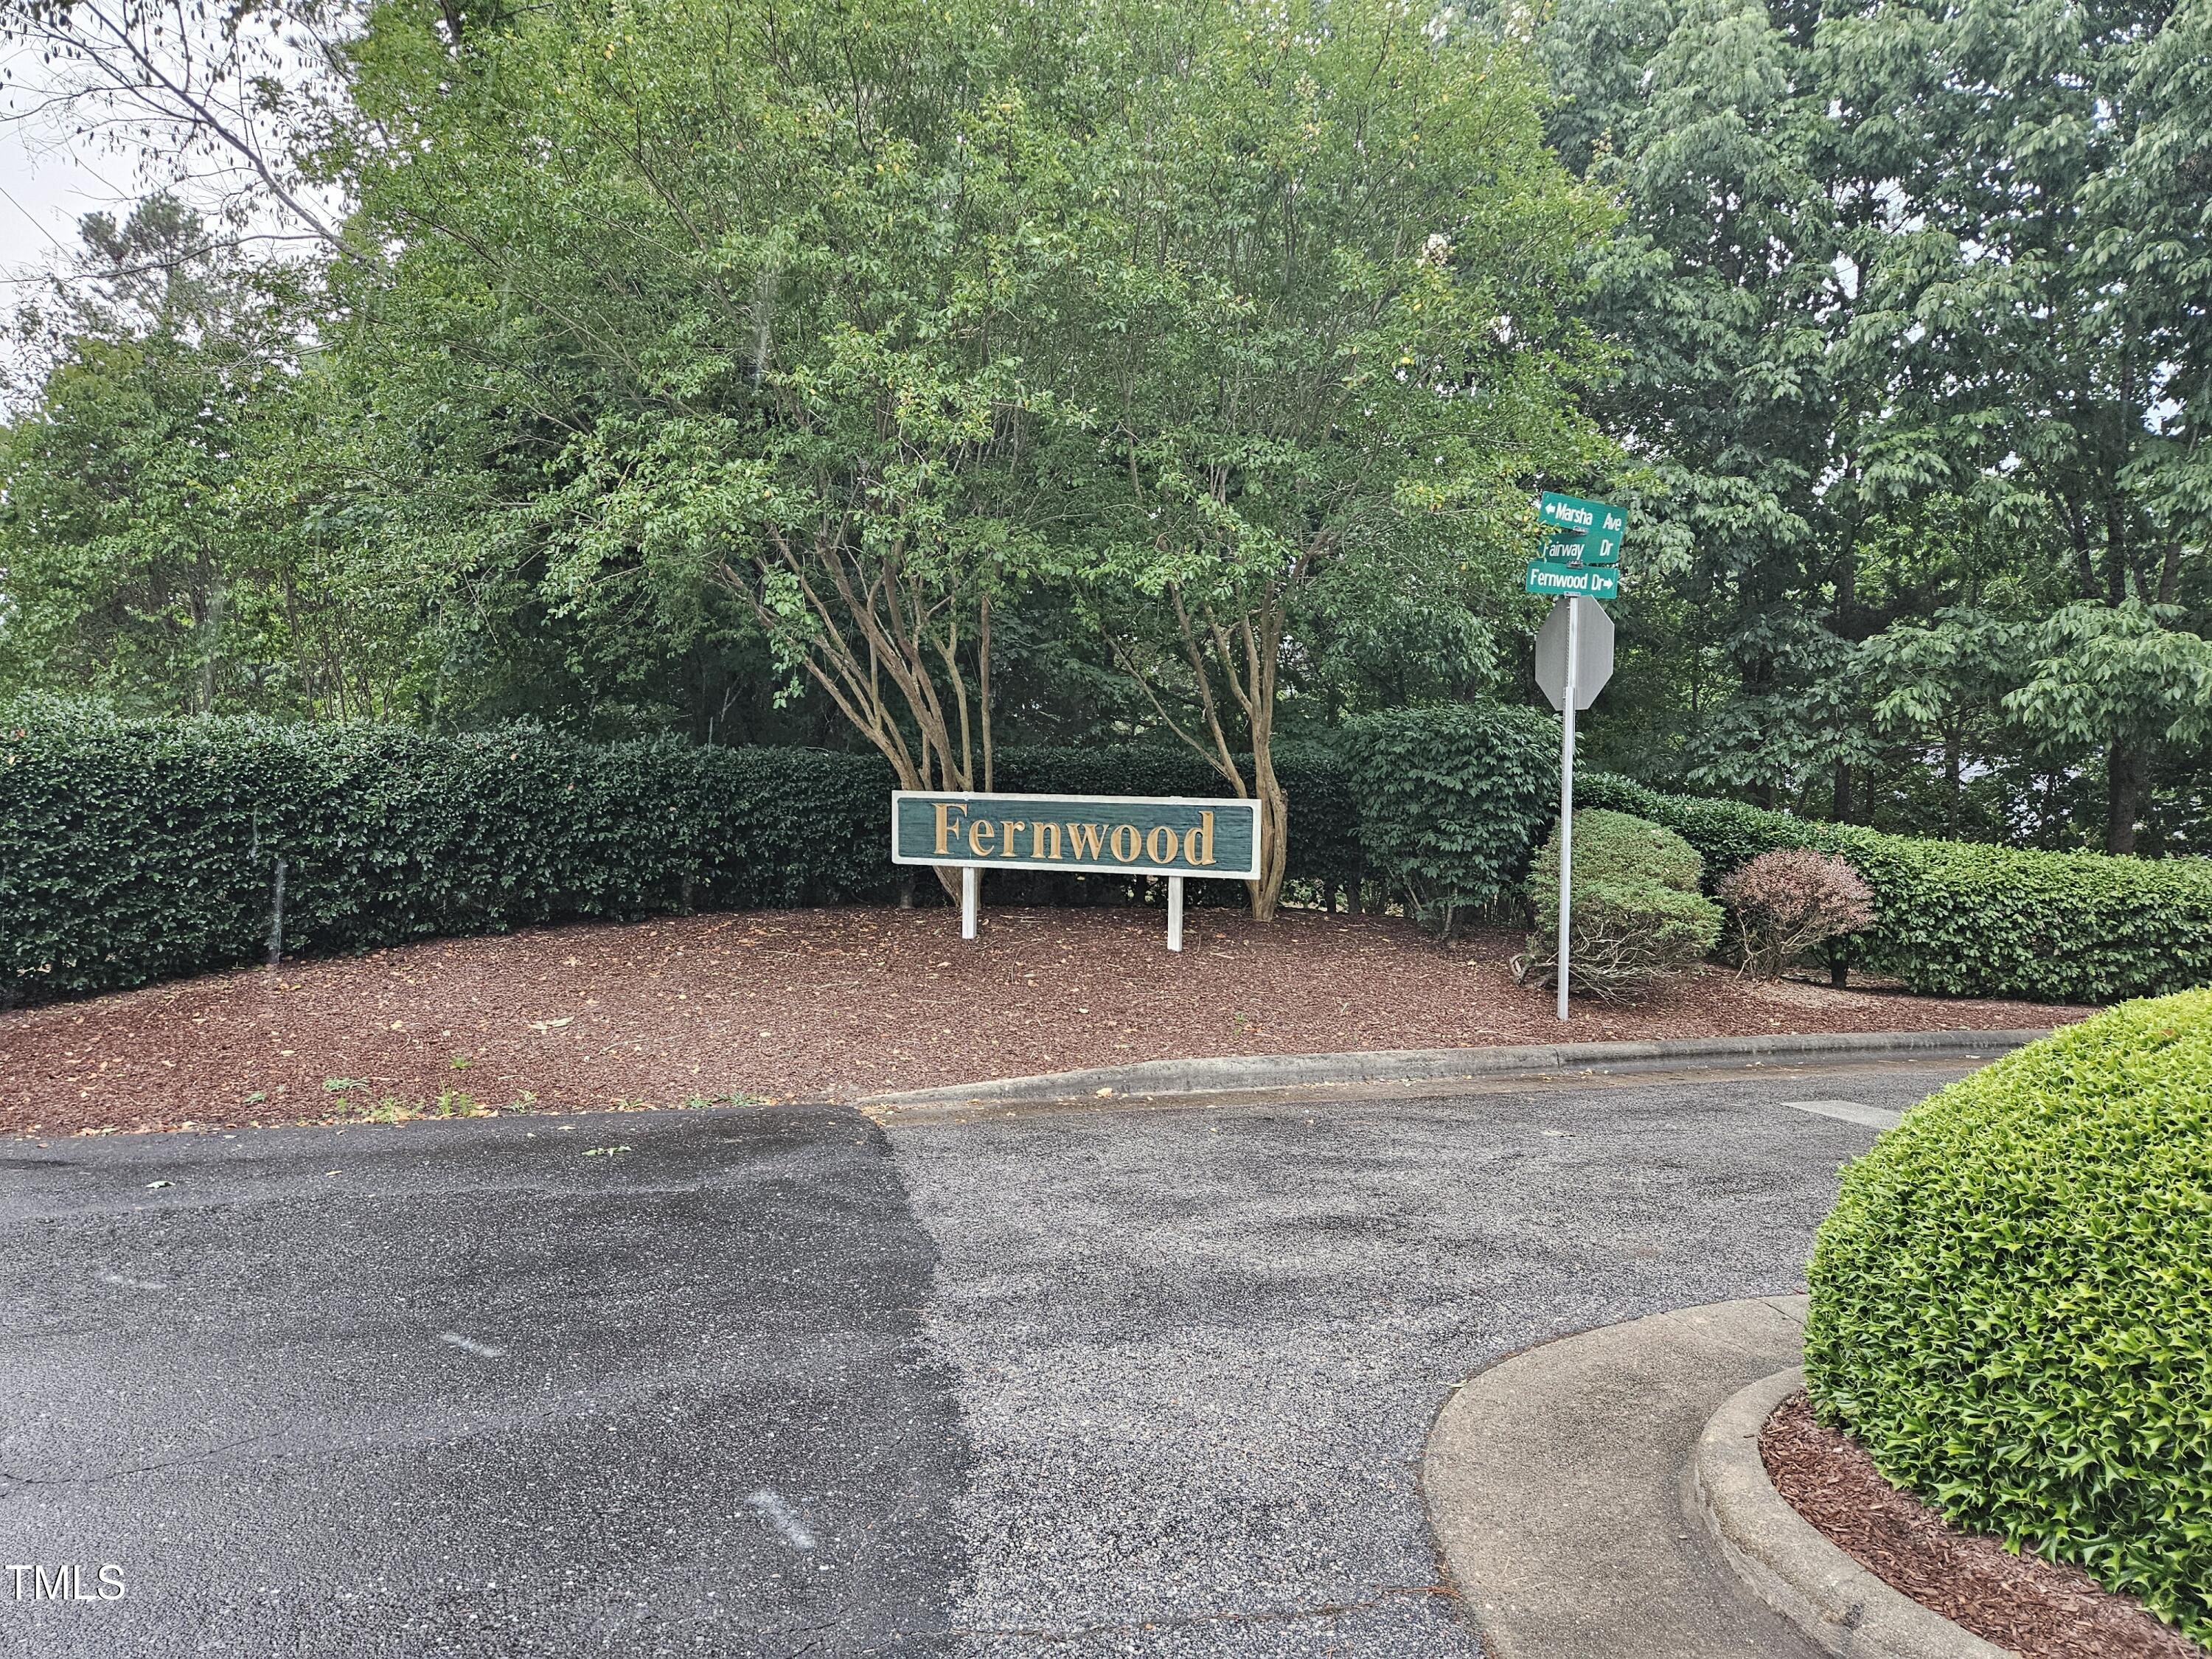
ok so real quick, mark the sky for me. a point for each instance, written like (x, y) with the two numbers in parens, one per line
(43, 193)
(48, 182)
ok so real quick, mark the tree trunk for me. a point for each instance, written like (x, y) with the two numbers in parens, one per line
(1844, 792)
(1951, 783)
(2123, 768)
(1248, 651)
(1274, 823)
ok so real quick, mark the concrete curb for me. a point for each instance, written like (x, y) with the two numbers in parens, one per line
(1229, 1073)
(1553, 1480)
(1789, 1564)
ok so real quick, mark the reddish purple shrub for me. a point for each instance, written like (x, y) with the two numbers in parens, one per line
(1788, 902)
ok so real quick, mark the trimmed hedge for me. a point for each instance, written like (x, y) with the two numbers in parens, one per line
(1448, 800)
(1966, 919)
(134, 851)
(2012, 1301)
(129, 853)
(138, 851)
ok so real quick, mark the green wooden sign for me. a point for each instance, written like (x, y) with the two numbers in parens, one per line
(1117, 835)
(1590, 581)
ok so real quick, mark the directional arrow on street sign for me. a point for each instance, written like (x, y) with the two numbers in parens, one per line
(1598, 581)
(1593, 659)
(1569, 513)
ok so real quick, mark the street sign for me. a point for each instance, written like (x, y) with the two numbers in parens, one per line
(1592, 581)
(1594, 663)
(1597, 526)
(1569, 512)
(1580, 562)
(1592, 549)
(1175, 836)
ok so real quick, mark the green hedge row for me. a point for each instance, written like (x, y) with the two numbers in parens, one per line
(1966, 919)
(2012, 1301)
(134, 851)
(138, 851)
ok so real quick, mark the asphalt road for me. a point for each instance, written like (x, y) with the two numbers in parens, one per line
(1106, 1380)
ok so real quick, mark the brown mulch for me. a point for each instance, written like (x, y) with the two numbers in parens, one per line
(2037, 1608)
(830, 1004)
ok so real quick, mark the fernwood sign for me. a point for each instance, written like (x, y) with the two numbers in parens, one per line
(1174, 836)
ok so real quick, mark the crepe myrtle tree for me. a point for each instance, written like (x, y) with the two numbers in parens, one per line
(1321, 360)
(876, 315)
(767, 289)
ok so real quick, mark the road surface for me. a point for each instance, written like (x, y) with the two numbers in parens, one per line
(1106, 1379)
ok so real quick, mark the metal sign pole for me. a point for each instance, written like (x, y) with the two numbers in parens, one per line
(971, 881)
(1567, 791)
(1175, 913)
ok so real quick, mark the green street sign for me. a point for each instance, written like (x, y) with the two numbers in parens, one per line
(1571, 513)
(1598, 526)
(1583, 550)
(1591, 581)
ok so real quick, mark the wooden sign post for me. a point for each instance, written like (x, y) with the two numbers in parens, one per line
(1176, 836)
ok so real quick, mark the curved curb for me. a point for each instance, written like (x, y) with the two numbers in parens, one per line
(1227, 1074)
(1789, 1564)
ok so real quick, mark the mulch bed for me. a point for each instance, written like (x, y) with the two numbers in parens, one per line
(2037, 1608)
(832, 1004)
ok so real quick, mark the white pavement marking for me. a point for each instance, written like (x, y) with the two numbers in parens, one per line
(107, 1277)
(777, 1513)
(1850, 1111)
(481, 1349)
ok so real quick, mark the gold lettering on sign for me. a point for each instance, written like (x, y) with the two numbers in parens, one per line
(945, 824)
(1008, 826)
(1088, 840)
(1136, 844)
(1153, 845)
(1201, 838)
(1037, 840)
(980, 834)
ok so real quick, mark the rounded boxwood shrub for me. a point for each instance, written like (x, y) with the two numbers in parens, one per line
(1637, 916)
(2012, 1301)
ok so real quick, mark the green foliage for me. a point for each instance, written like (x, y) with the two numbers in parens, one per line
(2012, 1301)
(153, 546)
(1637, 915)
(1912, 303)
(895, 328)
(1618, 847)
(137, 851)
(134, 852)
(1963, 918)
(1727, 834)
(2116, 673)
(1329, 294)
(1452, 797)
